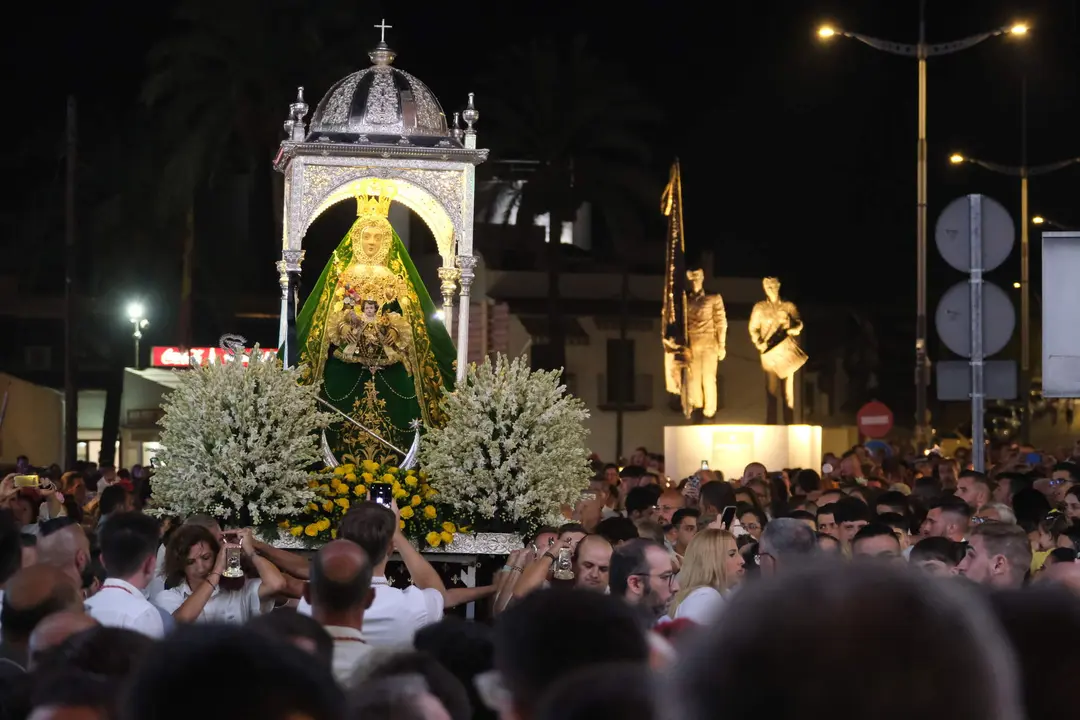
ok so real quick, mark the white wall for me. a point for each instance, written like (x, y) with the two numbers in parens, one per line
(33, 422)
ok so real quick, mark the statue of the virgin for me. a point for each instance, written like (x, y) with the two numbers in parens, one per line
(369, 338)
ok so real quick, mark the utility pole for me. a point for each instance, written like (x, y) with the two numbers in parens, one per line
(71, 392)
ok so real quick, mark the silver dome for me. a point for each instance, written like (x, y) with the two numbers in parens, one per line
(377, 102)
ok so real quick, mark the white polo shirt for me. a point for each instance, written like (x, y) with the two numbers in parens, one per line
(121, 604)
(350, 651)
(234, 607)
(395, 615)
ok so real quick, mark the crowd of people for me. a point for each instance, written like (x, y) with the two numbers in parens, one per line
(878, 586)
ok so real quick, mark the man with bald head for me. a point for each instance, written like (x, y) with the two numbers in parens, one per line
(670, 501)
(66, 548)
(592, 563)
(30, 596)
(340, 591)
(54, 630)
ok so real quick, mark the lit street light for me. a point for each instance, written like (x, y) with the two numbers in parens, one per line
(921, 51)
(1023, 171)
(137, 317)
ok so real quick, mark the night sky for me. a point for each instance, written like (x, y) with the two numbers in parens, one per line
(798, 156)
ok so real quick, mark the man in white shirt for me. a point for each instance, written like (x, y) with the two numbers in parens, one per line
(129, 544)
(339, 593)
(395, 615)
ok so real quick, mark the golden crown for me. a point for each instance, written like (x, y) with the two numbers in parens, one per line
(374, 198)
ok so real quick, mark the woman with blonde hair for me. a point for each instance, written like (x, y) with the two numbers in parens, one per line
(712, 568)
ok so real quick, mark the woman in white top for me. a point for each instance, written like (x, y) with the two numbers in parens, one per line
(712, 567)
(194, 561)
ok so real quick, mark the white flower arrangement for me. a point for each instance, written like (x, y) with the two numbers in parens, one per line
(238, 439)
(513, 446)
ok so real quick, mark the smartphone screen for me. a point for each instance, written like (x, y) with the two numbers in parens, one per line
(727, 517)
(382, 493)
(1033, 459)
(26, 481)
(704, 464)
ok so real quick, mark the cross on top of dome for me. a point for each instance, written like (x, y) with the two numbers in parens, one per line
(383, 27)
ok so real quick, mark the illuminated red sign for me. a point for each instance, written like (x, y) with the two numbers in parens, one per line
(174, 357)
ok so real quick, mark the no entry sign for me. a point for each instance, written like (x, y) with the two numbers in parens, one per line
(874, 419)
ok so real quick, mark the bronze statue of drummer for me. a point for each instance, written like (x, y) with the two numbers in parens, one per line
(774, 326)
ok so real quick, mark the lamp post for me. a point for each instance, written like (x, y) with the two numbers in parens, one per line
(137, 317)
(1022, 171)
(1040, 220)
(921, 51)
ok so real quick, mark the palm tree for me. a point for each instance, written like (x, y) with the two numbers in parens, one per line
(218, 90)
(553, 102)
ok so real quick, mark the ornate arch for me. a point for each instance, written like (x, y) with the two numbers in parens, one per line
(433, 194)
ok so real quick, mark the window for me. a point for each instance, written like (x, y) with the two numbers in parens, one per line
(620, 371)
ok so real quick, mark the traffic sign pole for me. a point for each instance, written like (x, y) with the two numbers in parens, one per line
(978, 446)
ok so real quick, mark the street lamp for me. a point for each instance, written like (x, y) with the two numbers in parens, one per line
(137, 317)
(1023, 171)
(921, 51)
(1040, 220)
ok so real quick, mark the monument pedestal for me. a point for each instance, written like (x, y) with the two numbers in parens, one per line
(730, 448)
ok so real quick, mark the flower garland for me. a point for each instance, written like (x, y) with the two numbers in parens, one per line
(422, 519)
(237, 441)
(513, 447)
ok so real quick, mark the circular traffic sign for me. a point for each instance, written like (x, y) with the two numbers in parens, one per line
(954, 225)
(953, 319)
(874, 419)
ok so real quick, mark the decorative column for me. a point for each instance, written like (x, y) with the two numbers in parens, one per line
(467, 265)
(449, 277)
(289, 279)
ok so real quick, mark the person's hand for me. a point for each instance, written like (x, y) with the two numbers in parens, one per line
(721, 354)
(47, 488)
(7, 487)
(247, 542)
(219, 562)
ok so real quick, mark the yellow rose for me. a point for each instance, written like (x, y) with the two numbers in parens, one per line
(447, 538)
(433, 539)
(410, 481)
(297, 531)
(368, 478)
(350, 477)
(400, 493)
(342, 503)
(416, 500)
(324, 489)
(349, 467)
(328, 506)
(311, 530)
(283, 524)
(449, 527)
(406, 512)
(401, 524)
(339, 470)
(429, 512)
(360, 491)
(429, 494)
(333, 534)
(463, 528)
(312, 507)
(323, 524)
(388, 478)
(370, 466)
(410, 471)
(392, 470)
(423, 475)
(313, 484)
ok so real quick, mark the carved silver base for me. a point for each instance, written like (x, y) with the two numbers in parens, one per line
(464, 543)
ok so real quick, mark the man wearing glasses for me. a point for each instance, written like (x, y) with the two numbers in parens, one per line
(643, 575)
